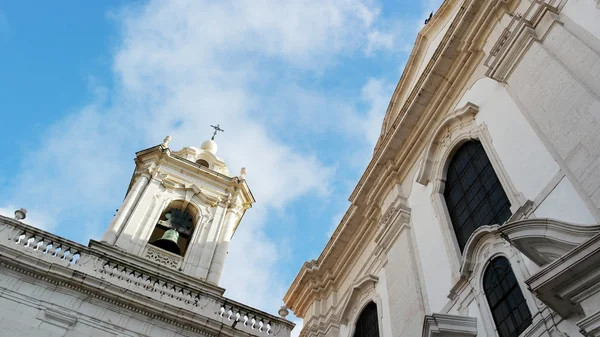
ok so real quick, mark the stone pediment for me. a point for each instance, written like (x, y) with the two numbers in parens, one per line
(544, 240)
(442, 325)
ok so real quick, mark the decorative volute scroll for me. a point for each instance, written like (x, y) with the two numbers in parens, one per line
(544, 240)
(441, 325)
(442, 137)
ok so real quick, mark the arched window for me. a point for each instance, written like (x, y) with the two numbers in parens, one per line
(202, 162)
(175, 227)
(473, 193)
(508, 306)
(367, 324)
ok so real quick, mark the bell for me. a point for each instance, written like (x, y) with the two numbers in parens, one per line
(168, 242)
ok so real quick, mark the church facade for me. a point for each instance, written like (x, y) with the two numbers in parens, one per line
(478, 214)
(156, 270)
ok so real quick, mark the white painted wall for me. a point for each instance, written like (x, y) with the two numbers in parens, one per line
(435, 263)
(586, 13)
(564, 203)
(474, 311)
(31, 307)
(382, 291)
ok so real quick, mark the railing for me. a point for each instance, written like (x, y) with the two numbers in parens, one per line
(143, 279)
(39, 243)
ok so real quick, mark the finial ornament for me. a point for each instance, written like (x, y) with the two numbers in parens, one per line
(283, 311)
(166, 141)
(217, 129)
(20, 214)
(243, 173)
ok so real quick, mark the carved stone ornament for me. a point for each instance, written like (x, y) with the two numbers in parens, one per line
(162, 257)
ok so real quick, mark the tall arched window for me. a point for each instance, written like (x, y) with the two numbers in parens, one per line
(367, 324)
(508, 306)
(473, 193)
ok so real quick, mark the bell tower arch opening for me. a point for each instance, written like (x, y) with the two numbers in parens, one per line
(175, 227)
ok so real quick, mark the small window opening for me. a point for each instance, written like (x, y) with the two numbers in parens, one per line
(202, 162)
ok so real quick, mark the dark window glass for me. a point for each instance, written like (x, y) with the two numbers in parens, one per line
(367, 324)
(202, 162)
(505, 298)
(473, 193)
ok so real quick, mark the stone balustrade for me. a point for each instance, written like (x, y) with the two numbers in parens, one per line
(139, 275)
(40, 243)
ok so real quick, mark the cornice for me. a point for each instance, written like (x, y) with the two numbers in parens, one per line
(442, 325)
(543, 239)
(434, 93)
(158, 156)
(412, 64)
(568, 280)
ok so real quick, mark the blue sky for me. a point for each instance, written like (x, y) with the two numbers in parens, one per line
(299, 86)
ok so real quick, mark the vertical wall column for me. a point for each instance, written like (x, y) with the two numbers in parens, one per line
(218, 260)
(116, 225)
(196, 245)
(138, 218)
(208, 249)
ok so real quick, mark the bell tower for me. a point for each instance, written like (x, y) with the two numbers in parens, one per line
(181, 209)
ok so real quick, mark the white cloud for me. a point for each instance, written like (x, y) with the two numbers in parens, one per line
(40, 220)
(181, 66)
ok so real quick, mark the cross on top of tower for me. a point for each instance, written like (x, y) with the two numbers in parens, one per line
(217, 129)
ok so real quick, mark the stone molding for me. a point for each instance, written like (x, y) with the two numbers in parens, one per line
(442, 325)
(590, 326)
(364, 285)
(162, 257)
(393, 222)
(131, 282)
(544, 240)
(442, 136)
(533, 25)
(55, 317)
(569, 280)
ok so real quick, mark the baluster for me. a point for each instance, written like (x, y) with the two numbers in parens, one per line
(20, 238)
(39, 243)
(65, 254)
(54, 249)
(75, 258)
(28, 240)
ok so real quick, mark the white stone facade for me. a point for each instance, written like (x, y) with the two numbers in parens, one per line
(522, 78)
(124, 285)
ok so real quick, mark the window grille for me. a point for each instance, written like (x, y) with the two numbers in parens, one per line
(473, 193)
(509, 308)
